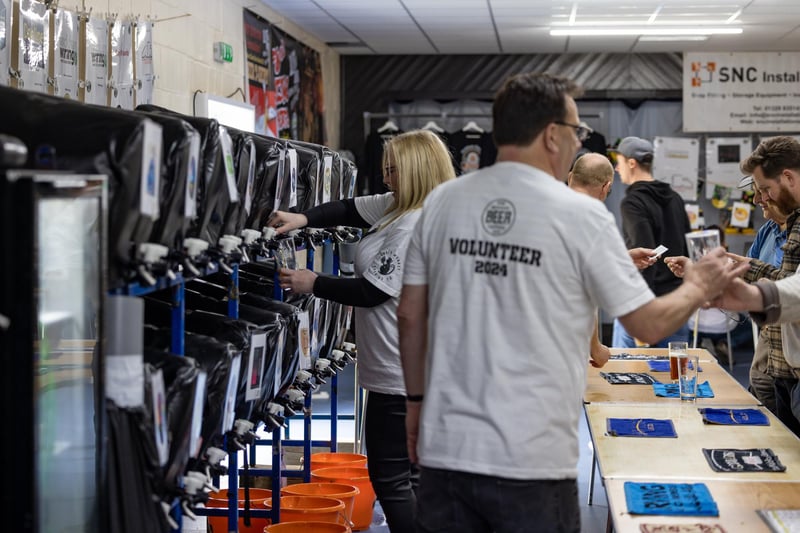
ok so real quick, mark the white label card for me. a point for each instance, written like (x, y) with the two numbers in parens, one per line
(151, 169)
(292, 153)
(230, 168)
(192, 169)
(160, 427)
(303, 337)
(327, 171)
(251, 178)
(195, 439)
(255, 366)
(352, 189)
(281, 180)
(315, 327)
(229, 413)
(659, 251)
(279, 363)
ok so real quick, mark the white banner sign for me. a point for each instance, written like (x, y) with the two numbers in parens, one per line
(33, 46)
(753, 91)
(122, 65)
(676, 161)
(145, 75)
(95, 57)
(65, 52)
(5, 40)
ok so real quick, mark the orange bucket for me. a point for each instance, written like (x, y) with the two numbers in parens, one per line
(310, 508)
(357, 476)
(307, 527)
(340, 491)
(331, 459)
(219, 524)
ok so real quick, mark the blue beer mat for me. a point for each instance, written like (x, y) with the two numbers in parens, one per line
(639, 427)
(670, 390)
(734, 417)
(663, 366)
(673, 499)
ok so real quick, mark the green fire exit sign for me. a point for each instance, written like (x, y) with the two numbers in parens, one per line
(223, 52)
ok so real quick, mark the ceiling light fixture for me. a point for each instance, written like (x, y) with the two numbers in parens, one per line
(613, 32)
(652, 38)
(733, 17)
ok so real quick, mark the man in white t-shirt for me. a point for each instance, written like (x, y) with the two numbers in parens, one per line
(502, 277)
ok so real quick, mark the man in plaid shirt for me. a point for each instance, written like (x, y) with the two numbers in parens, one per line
(775, 166)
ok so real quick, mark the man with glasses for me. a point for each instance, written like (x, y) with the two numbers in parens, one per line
(775, 167)
(652, 214)
(503, 274)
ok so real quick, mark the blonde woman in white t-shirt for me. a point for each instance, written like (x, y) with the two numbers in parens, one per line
(414, 163)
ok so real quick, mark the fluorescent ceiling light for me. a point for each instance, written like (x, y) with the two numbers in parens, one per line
(733, 17)
(651, 38)
(638, 22)
(610, 32)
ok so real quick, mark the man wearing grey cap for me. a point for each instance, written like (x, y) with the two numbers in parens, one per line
(652, 214)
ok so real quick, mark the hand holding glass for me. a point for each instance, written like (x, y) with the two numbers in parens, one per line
(699, 243)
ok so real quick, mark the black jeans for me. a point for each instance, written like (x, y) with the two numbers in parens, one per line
(461, 502)
(393, 477)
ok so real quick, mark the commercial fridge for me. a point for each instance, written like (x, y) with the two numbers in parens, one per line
(52, 290)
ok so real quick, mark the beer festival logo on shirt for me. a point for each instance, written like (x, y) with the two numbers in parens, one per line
(498, 217)
(387, 263)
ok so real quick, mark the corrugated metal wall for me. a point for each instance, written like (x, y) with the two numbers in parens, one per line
(370, 83)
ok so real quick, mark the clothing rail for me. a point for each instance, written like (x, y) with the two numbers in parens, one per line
(369, 116)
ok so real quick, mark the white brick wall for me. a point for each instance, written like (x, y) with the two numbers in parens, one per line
(183, 50)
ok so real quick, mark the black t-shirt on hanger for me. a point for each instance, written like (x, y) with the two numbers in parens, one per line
(370, 178)
(472, 150)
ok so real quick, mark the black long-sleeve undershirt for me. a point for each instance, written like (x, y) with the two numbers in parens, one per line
(349, 291)
(336, 213)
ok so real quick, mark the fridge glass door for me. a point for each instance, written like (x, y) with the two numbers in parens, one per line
(68, 303)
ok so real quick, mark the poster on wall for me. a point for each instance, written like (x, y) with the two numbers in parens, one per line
(5, 40)
(740, 214)
(297, 75)
(122, 64)
(261, 92)
(677, 162)
(34, 38)
(65, 54)
(723, 155)
(741, 91)
(145, 74)
(95, 58)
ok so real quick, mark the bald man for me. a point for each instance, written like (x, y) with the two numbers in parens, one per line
(592, 174)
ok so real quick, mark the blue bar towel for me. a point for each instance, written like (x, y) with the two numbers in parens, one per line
(670, 390)
(674, 499)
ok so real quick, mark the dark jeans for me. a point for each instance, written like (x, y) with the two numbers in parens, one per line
(787, 403)
(460, 502)
(393, 477)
